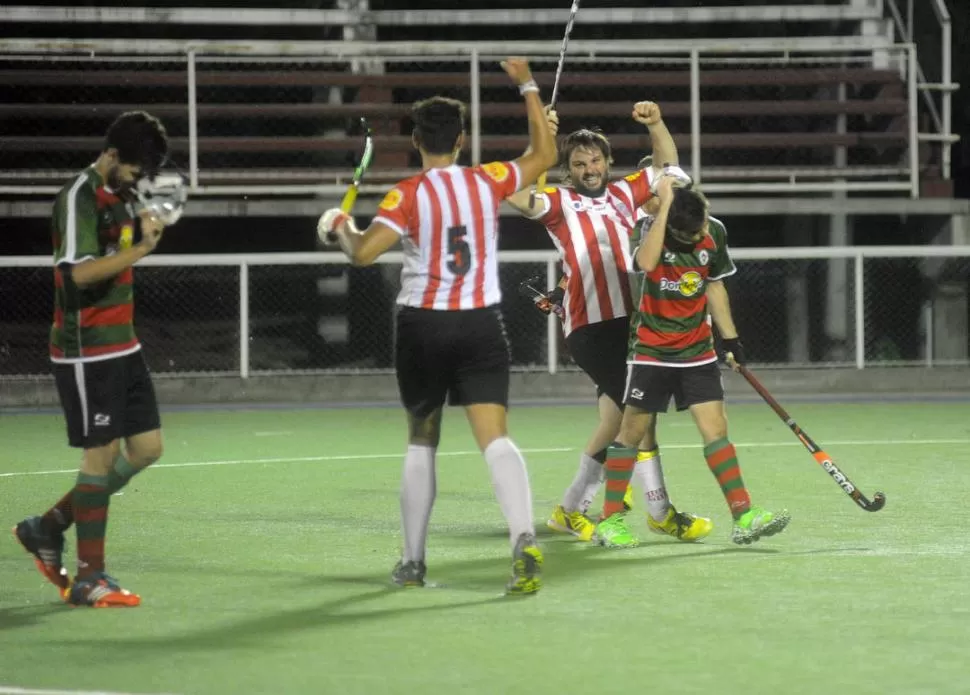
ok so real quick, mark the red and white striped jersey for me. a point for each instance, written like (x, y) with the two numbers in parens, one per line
(448, 218)
(593, 239)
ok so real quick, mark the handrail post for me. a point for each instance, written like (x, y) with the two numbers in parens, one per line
(860, 312)
(244, 320)
(475, 103)
(913, 125)
(695, 115)
(193, 125)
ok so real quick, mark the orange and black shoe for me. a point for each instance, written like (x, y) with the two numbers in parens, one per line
(100, 591)
(47, 549)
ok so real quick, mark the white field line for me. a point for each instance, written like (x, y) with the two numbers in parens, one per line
(11, 690)
(475, 452)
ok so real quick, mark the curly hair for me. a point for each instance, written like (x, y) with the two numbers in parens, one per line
(438, 122)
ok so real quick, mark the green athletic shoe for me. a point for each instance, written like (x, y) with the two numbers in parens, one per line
(757, 523)
(612, 532)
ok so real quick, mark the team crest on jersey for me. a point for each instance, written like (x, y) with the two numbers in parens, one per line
(577, 205)
(497, 171)
(126, 237)
(704, 256)
(634, 176)
(690, 283)
(392, 201)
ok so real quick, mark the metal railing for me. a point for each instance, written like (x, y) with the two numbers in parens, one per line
(696, 57)
(247, 314)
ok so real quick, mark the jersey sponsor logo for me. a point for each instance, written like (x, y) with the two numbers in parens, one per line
(634, 176)
(704, 257)
(689, 284)
(497, 171)
(669, 257)
(549, 189)
(392, 201)
(621, 208)
(126, 237)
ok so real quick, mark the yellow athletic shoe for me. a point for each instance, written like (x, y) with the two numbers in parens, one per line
(628, 497)
(576, 523)
(681, 525)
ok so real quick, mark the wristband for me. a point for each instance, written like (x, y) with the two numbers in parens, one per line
(529, 86)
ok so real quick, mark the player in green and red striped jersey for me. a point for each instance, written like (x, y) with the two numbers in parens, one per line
(684, 258)
(102, 380)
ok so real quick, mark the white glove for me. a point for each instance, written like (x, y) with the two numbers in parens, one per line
(328, 223)
(675, 171)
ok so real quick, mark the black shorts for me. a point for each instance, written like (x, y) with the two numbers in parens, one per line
(106, 400)
(600, 350)
(459, 355)
(649, 386)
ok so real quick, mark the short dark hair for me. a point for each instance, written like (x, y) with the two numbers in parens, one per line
(438, 122)
(140, 139)
(587, 138)
(688, 211)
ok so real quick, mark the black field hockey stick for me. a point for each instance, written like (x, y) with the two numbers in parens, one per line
(824, 460)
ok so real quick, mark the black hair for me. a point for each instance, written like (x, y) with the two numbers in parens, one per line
(438, 122)
(688, 212)
(140, 139)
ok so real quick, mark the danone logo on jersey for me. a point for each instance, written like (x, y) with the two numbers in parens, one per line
(689, 284)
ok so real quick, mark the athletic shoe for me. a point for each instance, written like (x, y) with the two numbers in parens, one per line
(409, 573)
(526, 566)
(628, 497)
(612, 532)
(100, 591)
(576, 523)
(681, 525)
(47, 549)
(757, 523)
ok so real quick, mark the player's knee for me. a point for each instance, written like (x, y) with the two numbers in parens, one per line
(424, 430)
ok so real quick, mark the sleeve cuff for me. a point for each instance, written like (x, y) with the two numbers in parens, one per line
(387, 222)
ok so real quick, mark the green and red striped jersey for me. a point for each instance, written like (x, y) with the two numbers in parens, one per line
(97, 322)
(671, 325)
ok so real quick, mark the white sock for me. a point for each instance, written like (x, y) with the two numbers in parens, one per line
(511, 483)
(417, 497)
(583, 489)
(650, 475)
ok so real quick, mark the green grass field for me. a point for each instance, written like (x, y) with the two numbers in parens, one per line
(262, 543)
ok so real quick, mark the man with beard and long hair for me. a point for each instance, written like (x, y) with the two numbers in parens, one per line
(591, 219)
(105, 389)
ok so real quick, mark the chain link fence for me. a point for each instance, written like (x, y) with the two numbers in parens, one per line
(329, 317)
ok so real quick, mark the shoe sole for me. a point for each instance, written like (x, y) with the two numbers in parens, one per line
(619, 546)
(772, 528)
(662, 532)
(115, 601)
(410, 584)
(61, 581)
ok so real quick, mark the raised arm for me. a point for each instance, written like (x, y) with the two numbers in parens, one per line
(651, 247)
(541, 154)
(520, 200)
(661, 141)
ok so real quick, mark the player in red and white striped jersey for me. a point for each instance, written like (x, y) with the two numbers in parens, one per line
(590, 221)
(451, 341)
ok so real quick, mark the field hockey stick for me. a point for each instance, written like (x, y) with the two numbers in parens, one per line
(824, 460)
(541, 183)
(350, 197)
(528, 289)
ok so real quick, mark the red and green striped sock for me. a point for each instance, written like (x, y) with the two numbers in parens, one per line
(91, 499)
(723, 462)
(620, 461)
(60, 517)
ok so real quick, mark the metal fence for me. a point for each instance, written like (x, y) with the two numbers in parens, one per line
(312, 313)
